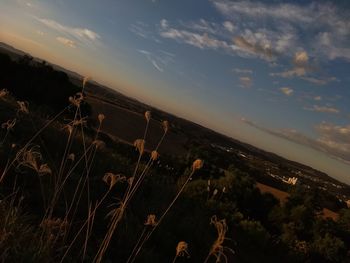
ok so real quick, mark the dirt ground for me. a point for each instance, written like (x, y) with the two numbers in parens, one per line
(128, 126)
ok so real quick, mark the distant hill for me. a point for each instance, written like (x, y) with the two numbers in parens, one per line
(185, 130)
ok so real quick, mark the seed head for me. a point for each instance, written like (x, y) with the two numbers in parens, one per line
(3, 93)
(165, 125)
(71, 157)
(148, 116)
(85, 80)
(9, 124)
(111, 179)
(197, 164)
(151, 220)
(140, 145)
(44, 169)
(154, 155)
(98, 144)
(182, 249)
(23, 107)
(77, 99)
(101, 117)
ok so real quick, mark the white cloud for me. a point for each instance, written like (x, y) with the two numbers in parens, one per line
(322, 28)
(67, 42)
(246, 82)
(296, 72)
(254, 46)
(301, 58)
(322, 109)
(229, 26)
(82, 35)
(287, 91)
(202, 41)
(164, 23)
(242, 71)
(320, 81)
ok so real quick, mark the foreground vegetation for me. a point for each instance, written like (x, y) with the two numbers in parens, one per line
(70, 193)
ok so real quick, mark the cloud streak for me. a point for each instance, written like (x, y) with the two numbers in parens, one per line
(82, 35)
(287, 91)
(334, 140)
(67, 42)
(324, 109)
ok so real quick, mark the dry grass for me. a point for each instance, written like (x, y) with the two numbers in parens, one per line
(280, 195)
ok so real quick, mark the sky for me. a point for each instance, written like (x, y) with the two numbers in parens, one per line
(274, 74)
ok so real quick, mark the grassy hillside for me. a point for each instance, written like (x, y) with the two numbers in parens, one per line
(70, 192)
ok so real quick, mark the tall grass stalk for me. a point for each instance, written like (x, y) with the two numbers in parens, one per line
(197, 164)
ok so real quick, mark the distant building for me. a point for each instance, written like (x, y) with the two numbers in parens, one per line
(291, 180)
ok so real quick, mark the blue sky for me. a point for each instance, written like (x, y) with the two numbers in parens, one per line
(271, 73)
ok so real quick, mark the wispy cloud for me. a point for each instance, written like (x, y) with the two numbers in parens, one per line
(207, 35)
(322, 109)
(332, 139)
(143, 30)
(320, 81)
(150, 58)
(287, 91)
(301, 66)
(229, 26)
(254, 48)
(246, 82)
(326, 25)
(202, 41)
(159, 59)
(242, 71)
(40, 33)
(67, 42)
(82, 35)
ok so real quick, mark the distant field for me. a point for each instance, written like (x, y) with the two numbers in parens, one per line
(128, 126)
(282, 196)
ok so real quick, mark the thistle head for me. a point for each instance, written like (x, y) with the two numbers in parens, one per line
(98, 144)
(111, 179)
(23, 107)
(85, 80)
(140, 145)
(44, 169)
(182, 249)
(148, 116)
(71, 157)
(76, 99)
(151, 220)
(165, 125)
(3, 93)
(101, 117)
(69, 128)
(8, 125)
(154, 155)
(197, 164)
